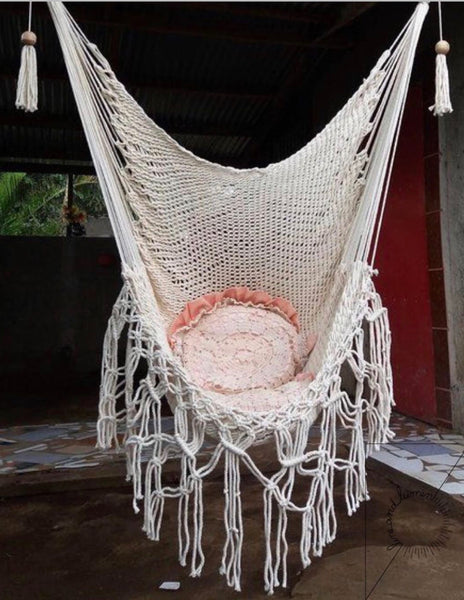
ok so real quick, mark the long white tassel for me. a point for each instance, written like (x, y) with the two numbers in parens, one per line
(27, 89)
(442, 88)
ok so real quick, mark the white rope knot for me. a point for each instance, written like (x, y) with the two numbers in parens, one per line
(375, 314)
(232, 448)
(272, 486)
(293, 462)
(184, 446)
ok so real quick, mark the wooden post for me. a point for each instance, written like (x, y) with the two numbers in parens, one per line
(69, 201)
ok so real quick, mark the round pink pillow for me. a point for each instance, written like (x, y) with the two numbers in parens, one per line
(243, 344)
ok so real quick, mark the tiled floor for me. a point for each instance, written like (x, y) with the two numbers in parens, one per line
(419, 450)
(63, 446)
(44, 447)
(427, 454)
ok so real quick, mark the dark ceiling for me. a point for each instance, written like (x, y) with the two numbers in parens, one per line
(234, 82)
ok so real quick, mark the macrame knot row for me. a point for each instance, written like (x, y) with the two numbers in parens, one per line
(233, 448)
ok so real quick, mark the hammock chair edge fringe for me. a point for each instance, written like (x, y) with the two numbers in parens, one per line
(369, 409)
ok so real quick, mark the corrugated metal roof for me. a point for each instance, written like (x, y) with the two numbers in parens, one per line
(215, 76)
(199, 61)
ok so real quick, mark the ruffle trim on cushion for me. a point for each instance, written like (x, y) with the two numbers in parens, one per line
(195, 309)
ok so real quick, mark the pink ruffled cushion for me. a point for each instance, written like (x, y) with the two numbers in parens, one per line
(244, 347)
(242, 295)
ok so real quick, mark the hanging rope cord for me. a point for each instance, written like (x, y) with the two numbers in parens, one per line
(89, 71)
(383, 141)
(440, 20)
(87, 77)
(29, 19)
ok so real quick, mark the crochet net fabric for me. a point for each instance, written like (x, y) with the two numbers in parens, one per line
(301, 229)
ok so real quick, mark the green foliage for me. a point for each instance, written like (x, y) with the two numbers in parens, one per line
(31, 204)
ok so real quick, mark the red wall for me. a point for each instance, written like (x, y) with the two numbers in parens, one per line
(403, 280)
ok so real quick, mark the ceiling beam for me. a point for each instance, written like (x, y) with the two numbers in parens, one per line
(72, 123)
(55, 162)
(251, 93)
(265, 10)
(245, 34)
(18, 165)
(80, 155)
(166, 18)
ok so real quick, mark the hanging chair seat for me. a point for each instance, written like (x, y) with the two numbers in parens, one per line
(244, 348)
(304, 229)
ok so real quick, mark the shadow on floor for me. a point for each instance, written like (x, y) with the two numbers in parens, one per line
(89, 545)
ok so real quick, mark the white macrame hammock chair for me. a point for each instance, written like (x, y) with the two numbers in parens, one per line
(306, 229)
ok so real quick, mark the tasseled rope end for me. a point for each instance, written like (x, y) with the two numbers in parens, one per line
(442, 89)
(27, 89)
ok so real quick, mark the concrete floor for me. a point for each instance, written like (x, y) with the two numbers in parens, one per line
(89, 545)
(48, 407)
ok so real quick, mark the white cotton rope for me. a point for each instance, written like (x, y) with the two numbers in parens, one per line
(27, 87)
(387, 126)
(442, 104)
(305, 229)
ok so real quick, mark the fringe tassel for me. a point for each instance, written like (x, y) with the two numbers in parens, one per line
(232, 554)
(27, 88)
(113, 382)
(198, 558)
(442, 89)
(269, 575)
(379, 376)
(154, 500)
(183, 529)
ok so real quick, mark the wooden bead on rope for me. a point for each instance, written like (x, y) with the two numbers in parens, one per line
(28, 38)
(442, 47)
